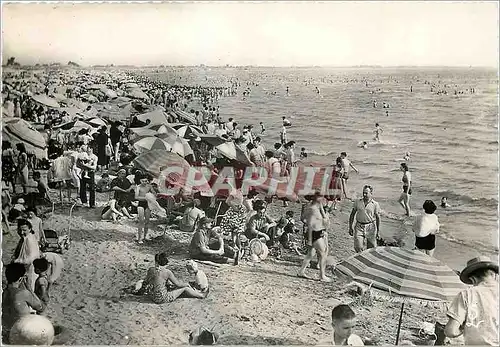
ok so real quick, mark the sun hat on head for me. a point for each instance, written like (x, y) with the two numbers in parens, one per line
(482, 262)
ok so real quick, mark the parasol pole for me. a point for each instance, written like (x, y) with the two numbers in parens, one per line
(399, 324)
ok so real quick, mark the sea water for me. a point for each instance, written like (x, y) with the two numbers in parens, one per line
(453, 139)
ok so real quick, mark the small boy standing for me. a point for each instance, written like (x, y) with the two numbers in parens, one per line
(285, 228)
(201, 281)
(343, 321)
(42, 284)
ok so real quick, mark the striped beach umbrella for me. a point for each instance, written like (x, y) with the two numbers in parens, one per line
(179, 145)
(155, 130)
(155, 117)
(403, 275)
(231, 151)
(155, 160)
(151, 142)
(187, 130)
(75, 125)
(20, 131)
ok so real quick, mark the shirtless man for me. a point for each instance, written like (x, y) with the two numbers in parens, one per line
(347, 166)
(16, 300)
(317, 237)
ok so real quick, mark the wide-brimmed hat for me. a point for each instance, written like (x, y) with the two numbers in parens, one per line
(482, 262)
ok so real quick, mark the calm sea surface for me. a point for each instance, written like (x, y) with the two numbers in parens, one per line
(453, 139)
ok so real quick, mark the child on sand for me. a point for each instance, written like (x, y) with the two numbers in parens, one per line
(42, 283)
(286, 227)
(201, 281)
(343, 321)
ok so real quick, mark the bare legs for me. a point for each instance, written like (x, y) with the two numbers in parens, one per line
(143, 216)
(404, 201)
(321, 247)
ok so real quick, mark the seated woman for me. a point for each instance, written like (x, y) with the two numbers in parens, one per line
(192, 214)
(112, 211)
(260, 224)
(234, 220)
(157, 281)
(202, 248)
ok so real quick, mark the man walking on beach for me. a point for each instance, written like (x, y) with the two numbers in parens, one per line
(367, 227)
(347, 166)
(317, 238)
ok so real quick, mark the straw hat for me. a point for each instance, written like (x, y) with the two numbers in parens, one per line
(482, 262)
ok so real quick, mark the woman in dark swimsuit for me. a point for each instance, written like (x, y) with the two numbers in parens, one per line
(404, 199)
(336, 185)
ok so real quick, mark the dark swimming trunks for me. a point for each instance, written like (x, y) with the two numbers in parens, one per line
(405, 190)
(143, 204)
(427, 243)
(317, 234)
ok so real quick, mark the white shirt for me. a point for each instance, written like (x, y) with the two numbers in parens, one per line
(425, 224)
(353, 340)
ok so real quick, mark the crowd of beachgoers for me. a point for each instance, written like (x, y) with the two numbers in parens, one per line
(112, 140)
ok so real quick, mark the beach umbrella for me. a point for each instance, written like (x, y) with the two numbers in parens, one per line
(21, 131)
(96, 87)
(187, 131)
(137, 94)
(231, 151)
(179, 145)
(155, 117)
(75, 125)
(189, 117)
(403, 275)
(72, 111)
(45, 100)
(96, 122)
(131, 85)
(212, 140)
(155, 160)
(154, 130)
(58, 97)
(191, 179)
(151, 142)
(88, 97)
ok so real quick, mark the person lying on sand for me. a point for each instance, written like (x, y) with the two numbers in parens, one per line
(157, 280)
(16, 300)
(202, 248)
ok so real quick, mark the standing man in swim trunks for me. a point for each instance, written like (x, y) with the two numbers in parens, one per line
(317, 237)
(367, 227)
(346, 166)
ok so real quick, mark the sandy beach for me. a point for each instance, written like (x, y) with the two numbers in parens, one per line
(262, 303)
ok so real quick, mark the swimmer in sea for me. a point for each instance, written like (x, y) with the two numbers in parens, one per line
(287, 91)
(407, 156)
(444, 202)
(363, 144)
(387, 113)
(317, 90)
(374, 103)
(303, 153)
(378, 130)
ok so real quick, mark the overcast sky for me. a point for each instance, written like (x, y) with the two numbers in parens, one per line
(271, 34)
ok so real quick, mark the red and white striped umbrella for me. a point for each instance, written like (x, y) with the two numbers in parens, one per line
(155, 160)
(231, 151)
(155, 130)
(190, 179)
(187, 130)
(403, 275)
(151, 142)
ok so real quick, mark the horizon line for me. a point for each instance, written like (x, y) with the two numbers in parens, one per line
(254, 66)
